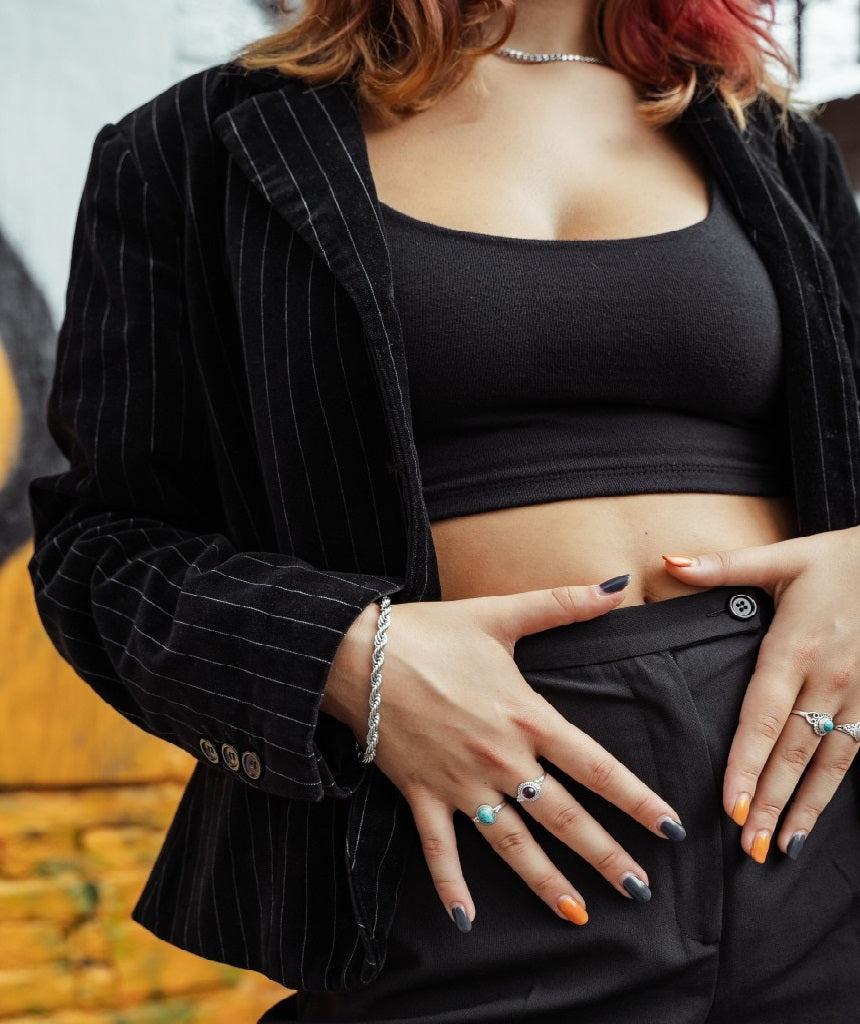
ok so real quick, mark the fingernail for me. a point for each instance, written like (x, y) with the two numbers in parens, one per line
(615, 584)
(672, 829)
(460, 917)
(572, 910)
(795, 845)
(741, 810)
(636, 887)
(760, 846)
(680, 561)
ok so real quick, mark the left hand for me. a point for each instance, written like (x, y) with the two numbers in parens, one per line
(809, 659)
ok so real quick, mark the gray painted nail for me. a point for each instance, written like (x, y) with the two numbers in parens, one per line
(673, 829)
(795, 845)
(460, 917)
(615, 584)
(636, 887)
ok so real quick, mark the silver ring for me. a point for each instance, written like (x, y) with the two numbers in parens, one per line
(530, 789)
(851, 729)
(486, 814)
(821, 722)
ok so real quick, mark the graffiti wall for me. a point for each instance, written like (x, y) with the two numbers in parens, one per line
(84, 796)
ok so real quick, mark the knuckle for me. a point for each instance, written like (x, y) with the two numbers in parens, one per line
(600, 774)
(547, 885)
(747, 772)
(842, 678)
(768, 808)
(724, 561)
(492, 757)
(534, 721)
(795, 757)
(567, 819)
(642, 809)
(433, 847)
(769, 725)
(510, 842)
(806, 651)
(444, 884)
(608, 862)
(837, 767)
(566, 598)
(807, 813)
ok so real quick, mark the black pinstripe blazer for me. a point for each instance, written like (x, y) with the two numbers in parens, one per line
(231, 392)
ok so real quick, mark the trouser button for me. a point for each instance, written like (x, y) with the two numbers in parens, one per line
(742, 606)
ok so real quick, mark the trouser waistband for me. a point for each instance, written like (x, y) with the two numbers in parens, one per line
(647, 628)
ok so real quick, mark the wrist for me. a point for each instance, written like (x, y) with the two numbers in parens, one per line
(348, 682)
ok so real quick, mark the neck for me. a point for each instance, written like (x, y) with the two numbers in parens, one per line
(554, 26)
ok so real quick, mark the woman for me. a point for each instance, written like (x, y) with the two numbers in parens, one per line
(423, 320)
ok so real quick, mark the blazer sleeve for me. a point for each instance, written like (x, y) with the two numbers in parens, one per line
(214, 649)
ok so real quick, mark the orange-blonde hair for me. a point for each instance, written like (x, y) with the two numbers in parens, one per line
(402, 55)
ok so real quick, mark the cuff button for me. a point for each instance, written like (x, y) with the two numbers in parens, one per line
(230, 756)
(251, 765)
(209, 751)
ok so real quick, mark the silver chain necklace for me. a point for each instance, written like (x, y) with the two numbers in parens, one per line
(522, 57)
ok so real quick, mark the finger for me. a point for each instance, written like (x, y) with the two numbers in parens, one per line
(514, 615)
(509, 836)
(791, 754)
(770, 696)
(832, 760)
(569, 821)
(439, 843)
(584, 759)
(764, 566)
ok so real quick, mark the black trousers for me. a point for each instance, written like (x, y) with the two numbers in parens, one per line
(723, 941)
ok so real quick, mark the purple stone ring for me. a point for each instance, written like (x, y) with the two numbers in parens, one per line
(530, 789)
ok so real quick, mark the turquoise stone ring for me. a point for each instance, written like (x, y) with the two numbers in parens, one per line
(821, 722)
(486, 815)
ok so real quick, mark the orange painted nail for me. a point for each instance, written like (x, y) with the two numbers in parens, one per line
(760, 846)
(741, 810)
(572, 910)
(679, 561)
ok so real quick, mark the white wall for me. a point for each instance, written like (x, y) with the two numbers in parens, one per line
(70, 66)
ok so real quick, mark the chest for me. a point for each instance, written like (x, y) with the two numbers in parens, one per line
(494, 327)
(557, 155)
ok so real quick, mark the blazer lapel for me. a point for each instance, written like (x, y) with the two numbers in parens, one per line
(304, 149)
(820, 391)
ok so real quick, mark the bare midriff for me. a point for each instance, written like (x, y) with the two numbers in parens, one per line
(588, 540)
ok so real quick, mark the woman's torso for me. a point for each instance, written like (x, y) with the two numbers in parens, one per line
(557, 152)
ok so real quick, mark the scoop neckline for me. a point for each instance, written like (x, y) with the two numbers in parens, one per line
(483, 236)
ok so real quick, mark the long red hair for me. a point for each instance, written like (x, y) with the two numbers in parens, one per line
(402, 55)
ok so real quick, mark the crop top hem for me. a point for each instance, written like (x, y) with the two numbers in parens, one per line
(461, 499)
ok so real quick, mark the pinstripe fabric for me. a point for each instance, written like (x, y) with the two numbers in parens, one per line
(231, 392)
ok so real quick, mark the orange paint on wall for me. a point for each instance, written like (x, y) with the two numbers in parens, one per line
(10, 417)
(58, 731)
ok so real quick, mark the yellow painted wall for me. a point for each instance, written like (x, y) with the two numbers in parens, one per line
(85, 799)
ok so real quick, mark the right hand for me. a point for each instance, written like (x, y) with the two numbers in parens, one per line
(460, 727)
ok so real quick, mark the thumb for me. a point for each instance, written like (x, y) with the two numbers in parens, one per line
(761, 566)
(534, 610)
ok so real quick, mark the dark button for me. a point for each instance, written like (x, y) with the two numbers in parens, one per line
(251, 765)
(209, 751)
(742, 606)
(230, 756)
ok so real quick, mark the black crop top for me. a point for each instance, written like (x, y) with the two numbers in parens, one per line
(543, 370)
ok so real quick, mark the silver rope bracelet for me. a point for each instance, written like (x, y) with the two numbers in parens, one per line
(379, 642)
